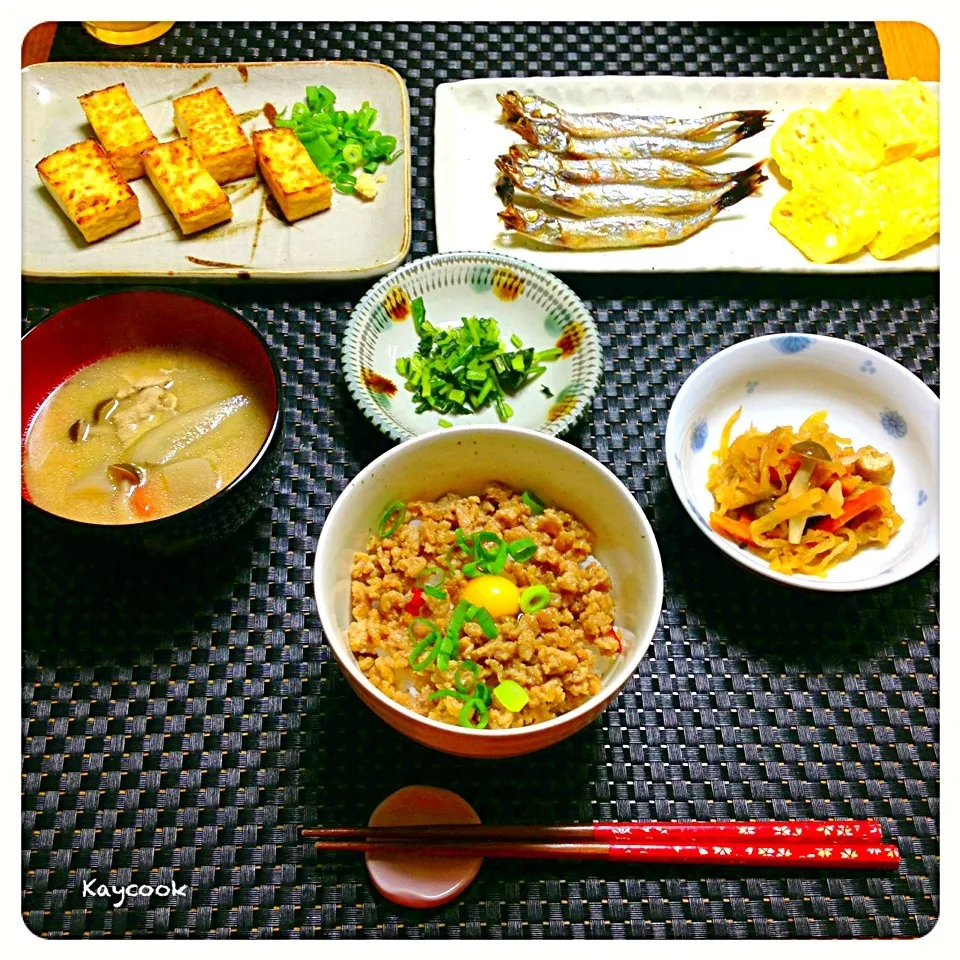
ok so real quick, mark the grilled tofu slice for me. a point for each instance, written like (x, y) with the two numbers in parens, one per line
(90, 190)
(187, 187)
(206, 120)
(297, 185)
(120, 128)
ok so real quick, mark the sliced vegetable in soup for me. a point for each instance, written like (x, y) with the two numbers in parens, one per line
(142, 435)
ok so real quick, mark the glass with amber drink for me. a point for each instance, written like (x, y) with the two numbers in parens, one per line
(124, 33)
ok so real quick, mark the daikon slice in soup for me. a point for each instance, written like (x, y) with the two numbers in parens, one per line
(143, 434)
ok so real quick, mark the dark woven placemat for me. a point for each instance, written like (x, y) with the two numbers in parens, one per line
(181, 723)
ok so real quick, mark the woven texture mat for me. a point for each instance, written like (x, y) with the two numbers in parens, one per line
(180, 725)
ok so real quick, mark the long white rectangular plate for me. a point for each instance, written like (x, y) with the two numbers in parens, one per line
(469, 137)
(351, 240)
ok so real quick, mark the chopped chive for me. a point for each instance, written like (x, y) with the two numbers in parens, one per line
(444, 423)
(467, 711)
(487, 625)
(534, 599)
(535, 504)
(338, 141)
(462, 369)
(473, 669)
(522, 550)
(435, 592)
(391, 518)
(496, 565)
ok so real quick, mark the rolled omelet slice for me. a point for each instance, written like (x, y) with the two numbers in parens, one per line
(828, 220)
(801, 146)
(859, 148)
(872, 110)
(907, 196)
(922, 109)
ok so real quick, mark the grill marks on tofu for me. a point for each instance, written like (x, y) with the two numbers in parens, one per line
(213, 130)
(194, 197)
(299, 188)
(89, 189)
(120, 128)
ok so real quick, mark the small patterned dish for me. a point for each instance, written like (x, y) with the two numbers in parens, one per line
(779, 381)
(527, 302)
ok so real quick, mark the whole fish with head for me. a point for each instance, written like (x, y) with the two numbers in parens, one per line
(602, 199)
(591, 125)
(604, 233)
(656, 171)
(543, 133)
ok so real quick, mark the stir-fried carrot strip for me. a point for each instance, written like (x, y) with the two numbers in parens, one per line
(853, 508)
(728, 527)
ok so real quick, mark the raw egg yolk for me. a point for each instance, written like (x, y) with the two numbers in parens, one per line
(498, 595)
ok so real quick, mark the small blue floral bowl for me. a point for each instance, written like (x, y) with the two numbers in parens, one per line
(779, 381)
(528, 303)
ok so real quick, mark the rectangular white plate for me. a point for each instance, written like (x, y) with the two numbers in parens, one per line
(351, 240)
(469, 137)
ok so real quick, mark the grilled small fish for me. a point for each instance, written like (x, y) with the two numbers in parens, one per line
(543, 133)
(655, 171)
(617, 124)
(602, 199)
(604, 233)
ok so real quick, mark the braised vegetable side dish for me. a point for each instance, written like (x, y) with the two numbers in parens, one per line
(803, 500)
(483, 611)
(141, 435)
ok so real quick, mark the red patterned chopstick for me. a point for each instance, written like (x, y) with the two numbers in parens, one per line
(855, 855)
(807, 831)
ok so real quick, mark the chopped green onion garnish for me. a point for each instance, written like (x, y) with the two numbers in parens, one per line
(457, 621)
(337, 141)
(496, 565)
(523, 549)
(481, 540)
(391, 518)
(431, 573)
(511, 695)
(473, 669)
(534, 598)
(486, 623)
(460, 370)
(535, 504)
(467, 710)
(458, 694)
(471, 569)
(430, 640)
(482, 693)
(444, 423)
(435, 592)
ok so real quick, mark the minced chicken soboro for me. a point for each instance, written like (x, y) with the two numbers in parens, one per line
(557, 654)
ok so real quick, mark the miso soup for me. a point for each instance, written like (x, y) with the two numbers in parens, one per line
(142, 435)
